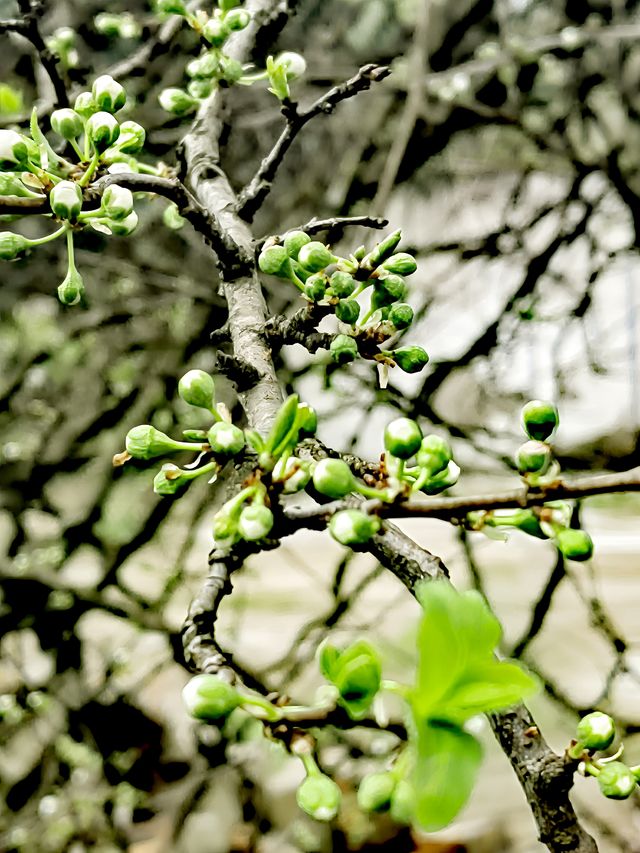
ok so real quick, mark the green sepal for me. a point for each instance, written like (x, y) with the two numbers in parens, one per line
(282, 425)
(382, 251)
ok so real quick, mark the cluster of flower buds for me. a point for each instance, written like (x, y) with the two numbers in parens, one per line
(388, 792)
(537, 466)
(62, 42)
(118, 25)
(215, 446)
(214, 66)
(30, 167)
(379, 317)
(594, 733)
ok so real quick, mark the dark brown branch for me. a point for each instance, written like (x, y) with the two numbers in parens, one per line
(254, 194)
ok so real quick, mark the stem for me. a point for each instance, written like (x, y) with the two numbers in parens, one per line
(272, 713)
(198, 472)
(71, 257)
(93, 165)
(39, 241)
(372, 492)
(74, 144)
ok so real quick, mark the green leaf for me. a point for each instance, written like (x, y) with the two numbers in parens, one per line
(488, 688)
(447, 763)
(277, 73)
(479, 624)
(327, 658)
(11, 101)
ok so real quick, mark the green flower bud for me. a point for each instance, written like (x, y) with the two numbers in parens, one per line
(616, 781)
(122, 25)
(225, 526)
(381, 252)
(225, 439)
(596, 731)
(147, 442)
(216, 32)
(237, 19)
(348, 311)
(169, 480)
(65, 200)
(402, 438)
(206, 65)
(308, 419)
(294, 241)
(177, 101)
(375, 792)
(274, 260)
(197, 389)
(67, 123)
(132, 136)
(208, 697)
(200, 88)
(333, 478)
(172, 219)
(108, 94)
(230, 69)
(342, 284)
(410, 359)
(295, 473)
(444, 480)
(171, 7)
(71, 291)
(255, 523)
(13, 149)
(386, 291)
(402, 803)
(124, 227)
(574, 544)
(316, 286)
(319, 797)
(102, 129)
(434, 454)
(343, 349)
(11, 244)
(402, 264)
(85, 105)
(401, 315)
(117, 202)
(352, 526)
(315, 256)
(294, 64)
(533, 457)
(540, 419)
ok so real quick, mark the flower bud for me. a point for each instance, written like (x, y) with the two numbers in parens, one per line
(65, 200)
(102, 129)
(13, 149)
(274, 260)
(386, 291)
(294, 473)
(124, 227)
(177, 101)
(171, 217)
(294, 64)
(342, 284)
(67, 123)
(294, 241)
(206, 65)
(434, 454)
(11, 244)
(410, 359)
(616, 781)
(11, 184)
(255, 523)
(230, 69)
(348, 311)
(333, 478)
(71, 291)
(375, 792)
(237, 19)
(117, 202)
(284, 424)
(200, 88)
(108, 94)
(147, 442)
(402, 438)
(343, 349)
(402, 803)
(316, 286)
(85, 105)
(308, 419)
(225, 438)
(540, 419)
(352, 526)
(401, 264)
(574, 544)
(171, 7)
(319, 797)
(216, 32)
(208, 697)
(197, 389)
(381, 252)
(315, 256)
(444, 480)
(596, 731)
(132, 136)
(401, 315)
(122, 25)
(169, 480)
(533, 457)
